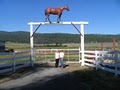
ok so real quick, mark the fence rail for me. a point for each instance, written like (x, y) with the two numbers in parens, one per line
(71, 55)
(105, 60)
(11, 61)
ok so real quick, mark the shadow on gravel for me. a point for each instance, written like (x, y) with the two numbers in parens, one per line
(24, 72)
(79, 80)
(83, 79)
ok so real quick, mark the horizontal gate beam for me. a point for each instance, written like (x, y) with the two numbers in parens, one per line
(47, 23)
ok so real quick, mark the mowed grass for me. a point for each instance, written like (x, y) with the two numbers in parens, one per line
(70, 57)
(17, 46)
(88, 46)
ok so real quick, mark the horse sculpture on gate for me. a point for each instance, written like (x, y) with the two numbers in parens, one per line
(55, 11)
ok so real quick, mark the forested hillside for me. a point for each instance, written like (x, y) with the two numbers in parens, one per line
(23, 37)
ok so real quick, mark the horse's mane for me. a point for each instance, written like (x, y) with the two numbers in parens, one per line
(64, 6)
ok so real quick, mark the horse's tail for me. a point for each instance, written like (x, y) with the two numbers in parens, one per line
(45, 12)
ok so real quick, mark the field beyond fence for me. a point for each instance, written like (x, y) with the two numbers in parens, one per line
(47, 55)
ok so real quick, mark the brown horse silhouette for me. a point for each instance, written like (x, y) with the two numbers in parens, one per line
(55, 11)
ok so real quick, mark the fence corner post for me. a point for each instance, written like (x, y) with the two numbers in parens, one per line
(116, 63)
(96, 59)
(14, 63)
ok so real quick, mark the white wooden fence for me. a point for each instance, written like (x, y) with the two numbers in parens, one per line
(11, 61)
(105, 60)
(47, 55)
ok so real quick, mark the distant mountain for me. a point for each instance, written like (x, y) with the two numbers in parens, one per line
(47, 38)
(20, 36)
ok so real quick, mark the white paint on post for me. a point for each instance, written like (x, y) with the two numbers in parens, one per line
(116, 64)
(31, 44)
(14, 62)
(82, 44)
(68, 56)
(96, 59)
(79, 55)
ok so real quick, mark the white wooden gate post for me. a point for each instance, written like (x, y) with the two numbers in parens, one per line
(79, 54)
(43, 23)
(82, 43)
(31, 45)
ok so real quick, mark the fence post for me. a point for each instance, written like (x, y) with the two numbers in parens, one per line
(45, 55)
(96, 59)
(82, 44)
(32, 45)
(116, 63)
(14, 63)
(68, 55)
(79, 56)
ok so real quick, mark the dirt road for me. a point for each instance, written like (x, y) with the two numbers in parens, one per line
(41, 73)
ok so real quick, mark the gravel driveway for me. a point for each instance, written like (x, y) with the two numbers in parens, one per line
(41, 73)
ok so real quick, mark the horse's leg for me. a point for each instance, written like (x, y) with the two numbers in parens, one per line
(59, 18)
(48, 18)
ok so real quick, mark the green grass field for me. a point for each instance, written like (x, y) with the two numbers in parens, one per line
(88, 46)
(50, 56)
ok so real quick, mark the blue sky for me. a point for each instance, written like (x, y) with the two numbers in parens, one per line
(103, 15)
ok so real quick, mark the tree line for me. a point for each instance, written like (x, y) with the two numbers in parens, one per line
(52, 38)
